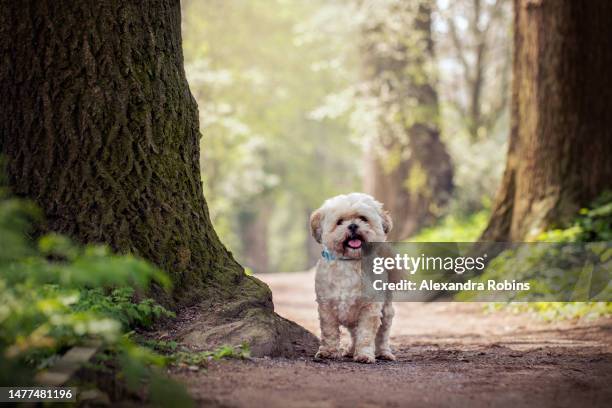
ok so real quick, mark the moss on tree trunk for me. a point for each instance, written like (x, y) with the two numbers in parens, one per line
(99, 128)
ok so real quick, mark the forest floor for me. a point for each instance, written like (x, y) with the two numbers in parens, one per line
(448, 354)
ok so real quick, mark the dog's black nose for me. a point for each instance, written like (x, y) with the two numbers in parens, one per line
(353, 227)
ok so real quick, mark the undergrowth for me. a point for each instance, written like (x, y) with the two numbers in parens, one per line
(55, 294)
(454, 228)
(591, 225)
(178, 355)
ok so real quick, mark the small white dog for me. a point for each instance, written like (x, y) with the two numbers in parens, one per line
(343, 224)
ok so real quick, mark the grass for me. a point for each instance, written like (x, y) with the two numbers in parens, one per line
(453, 228)
(181, 356)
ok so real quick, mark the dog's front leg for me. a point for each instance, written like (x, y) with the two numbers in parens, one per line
(330, 332)
(365, 334)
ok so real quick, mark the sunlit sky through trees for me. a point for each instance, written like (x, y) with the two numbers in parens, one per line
(284, 118)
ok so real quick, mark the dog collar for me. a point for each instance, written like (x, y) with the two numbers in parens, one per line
(328, 256)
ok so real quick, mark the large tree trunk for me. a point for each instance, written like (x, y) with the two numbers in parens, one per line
(407, 166)
(99, 127)
(559, 156)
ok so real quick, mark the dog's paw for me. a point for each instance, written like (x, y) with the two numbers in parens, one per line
(386, 355)
(364, 358)
(348, 353)
(327, 353)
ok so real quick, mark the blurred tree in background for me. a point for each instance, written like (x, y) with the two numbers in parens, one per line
(257, 75)
(294, 94)
(477, 36)
(407, 166)
(473, 46)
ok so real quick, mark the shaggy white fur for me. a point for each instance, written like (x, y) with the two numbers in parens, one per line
(343, 224)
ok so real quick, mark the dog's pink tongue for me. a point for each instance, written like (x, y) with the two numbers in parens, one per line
(355, 243)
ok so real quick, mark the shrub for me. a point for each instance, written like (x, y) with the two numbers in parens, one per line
(55, 294)
(591, 225)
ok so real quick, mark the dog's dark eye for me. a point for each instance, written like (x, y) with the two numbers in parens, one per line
(340, 221)
(364, 219)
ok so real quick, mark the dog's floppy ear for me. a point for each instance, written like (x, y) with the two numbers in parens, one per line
(387, 222)
(315, 225)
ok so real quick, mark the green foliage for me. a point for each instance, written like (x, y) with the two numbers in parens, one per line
(554, 271)
(161, 346)
(453, 228)
(55, 294)
(591, 226)
(553, 311)
(201, 357)
(181, 356)
(119, 305)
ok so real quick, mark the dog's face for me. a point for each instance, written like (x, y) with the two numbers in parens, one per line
(345, 222)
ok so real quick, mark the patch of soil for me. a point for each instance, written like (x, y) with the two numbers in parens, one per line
(449, 354)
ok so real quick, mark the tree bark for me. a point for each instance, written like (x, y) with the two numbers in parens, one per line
(407, 165)
(99, 128)
(561, 133)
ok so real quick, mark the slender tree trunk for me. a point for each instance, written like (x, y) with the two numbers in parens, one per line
(561, 137)
(312, 247)
(254, 237)
(99, 128)
(484, 106)
(408, 167)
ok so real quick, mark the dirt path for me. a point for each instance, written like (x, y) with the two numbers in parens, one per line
(449, 354)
